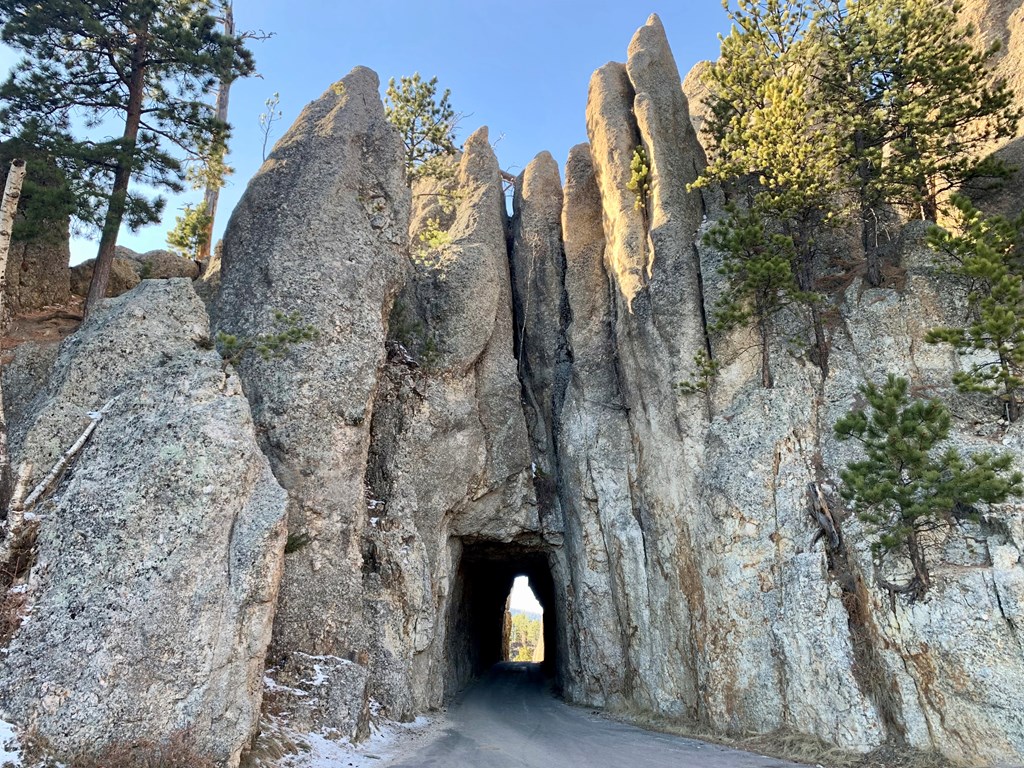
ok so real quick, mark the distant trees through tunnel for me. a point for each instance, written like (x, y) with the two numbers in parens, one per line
(491, 621)
(522, 635)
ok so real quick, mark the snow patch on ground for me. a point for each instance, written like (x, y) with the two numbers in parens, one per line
(10, 747)
(387, 741)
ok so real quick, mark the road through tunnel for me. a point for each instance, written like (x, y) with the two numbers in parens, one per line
(484, 579)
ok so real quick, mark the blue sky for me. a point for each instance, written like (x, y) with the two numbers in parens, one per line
(521, 68)
(523, 598)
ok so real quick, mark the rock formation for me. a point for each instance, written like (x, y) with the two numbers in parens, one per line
(1001, 22)
(38, 274)
(697, 93)
(157, 559)
(488, 396)
(321, 230)
(129, 268)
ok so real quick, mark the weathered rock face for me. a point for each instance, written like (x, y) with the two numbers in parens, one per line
(697, 93)
(523, 416)
(38, 274)
(321, 230)
(769, 633)
(321, 694)
(643, 499)
(124, 275)
(485, 398)
(158, 556)
(450, 458)
(542, 309)
(26, 370)
(488, 397)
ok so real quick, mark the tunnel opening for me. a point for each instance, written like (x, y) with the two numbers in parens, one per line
(478, 635)
(522, 634)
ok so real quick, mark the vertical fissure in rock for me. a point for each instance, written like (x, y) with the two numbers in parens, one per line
(540, 320)
(869, 669)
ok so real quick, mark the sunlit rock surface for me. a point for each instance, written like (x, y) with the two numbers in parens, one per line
(158, 557)
(490, 395)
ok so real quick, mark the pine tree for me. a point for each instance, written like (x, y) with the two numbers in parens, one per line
(988, 252)
(190, 235)
(905, 487)
(146, 64)
(766, 127)
(427, 125)
(758, 267)
(842, 109)
(906, 83)
(46, 199)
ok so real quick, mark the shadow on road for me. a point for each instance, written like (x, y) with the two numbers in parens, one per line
(510, 717)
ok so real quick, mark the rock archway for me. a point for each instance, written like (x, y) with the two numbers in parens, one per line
(482, 582)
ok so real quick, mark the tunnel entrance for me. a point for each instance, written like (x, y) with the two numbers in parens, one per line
(522, 634)
(478, 635)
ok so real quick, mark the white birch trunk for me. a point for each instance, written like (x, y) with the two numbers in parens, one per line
(12, 195)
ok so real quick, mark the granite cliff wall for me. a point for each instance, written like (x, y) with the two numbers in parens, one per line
(501, 396)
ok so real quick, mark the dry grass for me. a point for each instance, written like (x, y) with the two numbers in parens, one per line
(800, 748)
(894, 757)
(178, 751)
(12, 613)
(786, 744)
(273, 743)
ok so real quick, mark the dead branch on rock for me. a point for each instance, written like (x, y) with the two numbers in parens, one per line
(20, 527)
(62, 463)
(19, 538)
(16, 510)
(827, 528)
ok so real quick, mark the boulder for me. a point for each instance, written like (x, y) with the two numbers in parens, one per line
(124, 275)
(158, 556)
(160, 264)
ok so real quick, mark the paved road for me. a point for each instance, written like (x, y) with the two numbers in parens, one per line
(509, 719)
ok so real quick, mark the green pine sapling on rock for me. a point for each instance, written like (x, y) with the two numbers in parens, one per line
(987, 252)
(759, 267)
(269, 346)
(907, 486)
(427, 125)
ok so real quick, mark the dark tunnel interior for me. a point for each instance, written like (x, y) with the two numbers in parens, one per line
(483, 580)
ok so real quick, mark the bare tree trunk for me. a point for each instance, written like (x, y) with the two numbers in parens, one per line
(122, 173)
(766, 368)
(921, 580)
(930, 205)
(212, 195)
(806, 282)
(1012, 402)
(869, 231)
(12, 195)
